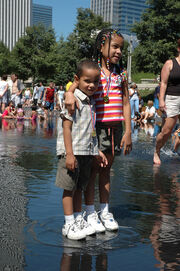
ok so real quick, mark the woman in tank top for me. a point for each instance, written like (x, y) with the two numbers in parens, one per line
(169, 100)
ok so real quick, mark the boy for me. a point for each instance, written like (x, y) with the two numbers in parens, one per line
(81, 145)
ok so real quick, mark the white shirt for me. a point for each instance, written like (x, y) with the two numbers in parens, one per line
(3, 85)
(151, 109)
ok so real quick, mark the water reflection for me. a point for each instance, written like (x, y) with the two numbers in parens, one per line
(144, 199)
(165, 235)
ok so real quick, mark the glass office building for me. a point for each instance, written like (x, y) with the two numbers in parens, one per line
(120, 13)
(15, 16)
(42, 14)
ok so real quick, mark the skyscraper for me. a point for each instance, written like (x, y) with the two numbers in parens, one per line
(120, 13)
(42, 14)
(15, 16)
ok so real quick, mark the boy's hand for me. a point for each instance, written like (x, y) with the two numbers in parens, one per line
(71, 162)
(101, 159)
(126, 143)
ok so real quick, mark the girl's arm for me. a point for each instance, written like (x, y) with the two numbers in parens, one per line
(126, 140)
(164, 81)
(70, 101)
(71, 162)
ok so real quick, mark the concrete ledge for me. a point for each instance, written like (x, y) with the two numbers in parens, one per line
(147, 86)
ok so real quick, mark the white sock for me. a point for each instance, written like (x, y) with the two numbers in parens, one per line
(77, 213)
(104, 207)
(89, 209)
(69, 219)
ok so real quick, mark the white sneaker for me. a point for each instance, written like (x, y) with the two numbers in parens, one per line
(85, 226)
(73, 231)
(109, 222)
(95, 222)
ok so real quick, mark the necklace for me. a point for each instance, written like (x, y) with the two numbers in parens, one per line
(107, 86)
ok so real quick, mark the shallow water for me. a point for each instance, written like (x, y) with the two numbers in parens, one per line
(145, 200)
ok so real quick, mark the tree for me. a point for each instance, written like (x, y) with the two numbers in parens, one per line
(79, 44)
(35, 54)
(4, 59)
(157, 32)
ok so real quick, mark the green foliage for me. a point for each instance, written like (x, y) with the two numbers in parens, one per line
(35, 54)
(136, 77)
(157, 32)
(4, 59)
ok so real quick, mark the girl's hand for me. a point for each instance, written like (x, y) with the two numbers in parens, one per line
(126, 143)
(102, 160)
(70, 102)
(71, 162)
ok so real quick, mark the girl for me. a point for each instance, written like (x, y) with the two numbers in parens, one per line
(112, 107)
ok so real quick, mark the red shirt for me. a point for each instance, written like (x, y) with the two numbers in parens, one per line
(50, 95)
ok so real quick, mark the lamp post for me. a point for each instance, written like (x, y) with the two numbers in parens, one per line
(129, 63)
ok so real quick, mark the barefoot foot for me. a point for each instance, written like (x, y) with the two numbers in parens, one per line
(156, 158)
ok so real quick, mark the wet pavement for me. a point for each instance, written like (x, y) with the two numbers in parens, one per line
(145, 200)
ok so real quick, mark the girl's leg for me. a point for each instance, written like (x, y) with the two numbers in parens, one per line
(77, 201)
(104, 180)
(92, 216)
(163, 137)
(89, 193)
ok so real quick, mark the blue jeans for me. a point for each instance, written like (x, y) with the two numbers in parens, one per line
(156, 103)
(134, 107)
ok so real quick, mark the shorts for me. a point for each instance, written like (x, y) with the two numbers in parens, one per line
(109, 139)
(172, 105)
(78, 179)
(50, 105)
(15, 99)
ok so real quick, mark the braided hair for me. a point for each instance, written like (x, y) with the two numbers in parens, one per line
(105, 34)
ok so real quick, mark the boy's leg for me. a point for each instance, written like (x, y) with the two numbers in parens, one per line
(67, 201)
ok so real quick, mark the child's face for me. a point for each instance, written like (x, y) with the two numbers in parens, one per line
(89, 81)
(114, 53)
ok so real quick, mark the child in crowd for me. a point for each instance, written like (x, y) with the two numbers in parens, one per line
(149, 113)
(20, 113)
(76, 149)
(112, 107)
(9, 112)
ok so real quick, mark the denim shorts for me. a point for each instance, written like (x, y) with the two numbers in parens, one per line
(50, 106)
(109, 139)
(77, 179)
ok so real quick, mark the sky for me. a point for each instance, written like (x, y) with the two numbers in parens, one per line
(64, 14)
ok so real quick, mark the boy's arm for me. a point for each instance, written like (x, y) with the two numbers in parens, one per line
(71, 162)
(126, 140)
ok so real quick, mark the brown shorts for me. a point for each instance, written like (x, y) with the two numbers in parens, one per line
(109, 138)
(77, 179)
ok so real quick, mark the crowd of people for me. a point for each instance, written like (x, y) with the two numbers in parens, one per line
(18, 102)
(90, 132)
